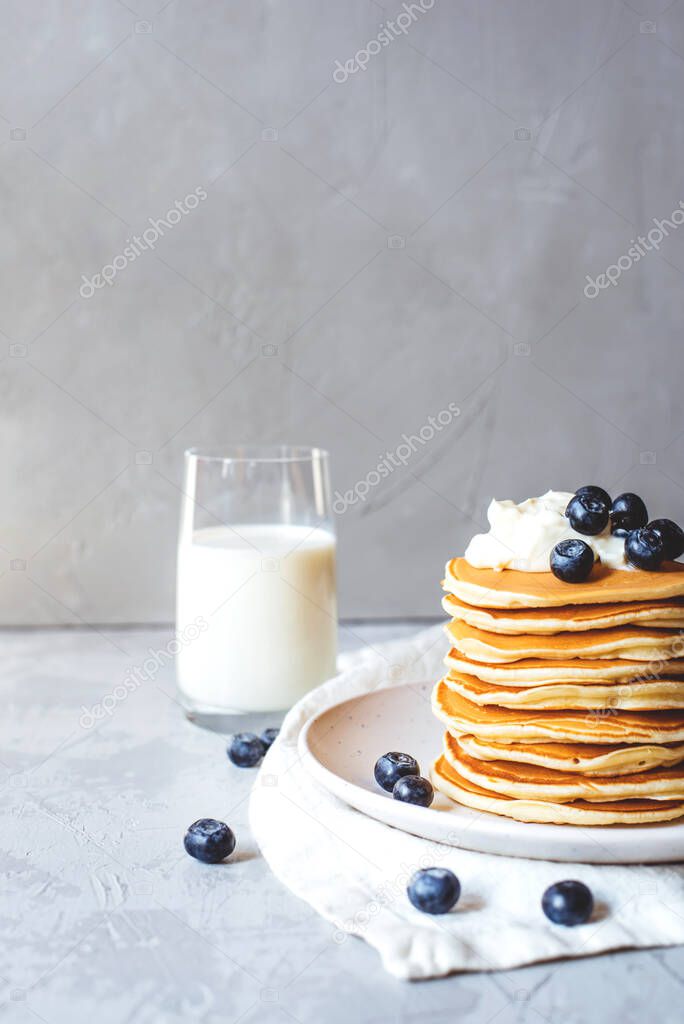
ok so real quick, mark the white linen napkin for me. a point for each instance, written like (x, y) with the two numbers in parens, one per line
(353, 870)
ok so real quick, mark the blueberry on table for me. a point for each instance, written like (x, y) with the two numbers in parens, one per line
(568, 903)
(268, 736)
(645, 548)
(245, 749)
(394, 766)
(434, 890)
(209, 840)
(595, 492)
(627, 513)
(414, 789)
(671, 535)
(588, 515)
(571, 561)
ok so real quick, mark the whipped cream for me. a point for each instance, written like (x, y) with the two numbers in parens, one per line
(522, 536)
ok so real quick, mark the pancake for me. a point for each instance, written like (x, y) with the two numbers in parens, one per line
(568, 618)
(531, 782)
(578, 812)
(525, 726)
(578, 670)
(588, 758)
(510, 588)
(634, 643)
(654, 695)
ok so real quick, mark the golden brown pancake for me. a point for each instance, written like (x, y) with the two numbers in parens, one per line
(569, 618)
(564, 703)
(532, 782)
(634, 643)
(578, 812)
(654, 695)
(510, 588)
(535, 671)
(462, 716)
(587, 758)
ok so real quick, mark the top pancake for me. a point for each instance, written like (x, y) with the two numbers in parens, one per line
(510, 588)
(567, 618)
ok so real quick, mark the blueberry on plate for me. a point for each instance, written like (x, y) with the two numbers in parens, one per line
(671, 535)
(571, 561)
(568, 903)
(209, 840)
(627, 513)
(645, 548)
(268, 736)
(595, 492)
(434, 890)
(245, 749)
(414, 789)
(394, 766)
(588, 515)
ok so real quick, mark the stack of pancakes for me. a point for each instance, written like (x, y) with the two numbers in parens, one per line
(564, 702)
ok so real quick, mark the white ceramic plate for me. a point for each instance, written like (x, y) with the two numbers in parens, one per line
(340, 746)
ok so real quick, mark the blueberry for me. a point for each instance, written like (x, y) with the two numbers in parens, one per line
(595, 492)
(568, 903)
(645, 548)
(434, 890)
(588, 515)
(209, 841)
(671, 535)
(627, 512)
(414, 789)
(393, 766)
(571, 561)
(245, 749)
(268, 736)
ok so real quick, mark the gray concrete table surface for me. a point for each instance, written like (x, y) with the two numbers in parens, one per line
(103, 915)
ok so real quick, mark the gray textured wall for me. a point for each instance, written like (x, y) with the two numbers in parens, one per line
(368, 252)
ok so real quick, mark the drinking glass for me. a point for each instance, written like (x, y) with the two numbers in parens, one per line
(256, 608)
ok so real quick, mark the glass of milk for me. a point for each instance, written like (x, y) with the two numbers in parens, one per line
(256, 611)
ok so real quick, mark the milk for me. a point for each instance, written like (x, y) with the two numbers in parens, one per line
(267, 595)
